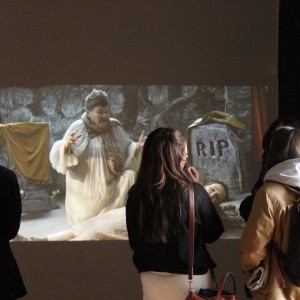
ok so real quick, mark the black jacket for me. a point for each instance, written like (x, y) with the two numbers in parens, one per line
(11, 283)
(172, 257)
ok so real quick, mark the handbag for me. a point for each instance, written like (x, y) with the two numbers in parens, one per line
(204, 294)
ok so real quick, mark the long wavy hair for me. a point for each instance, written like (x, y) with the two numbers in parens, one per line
(159, 185)
(285, 145)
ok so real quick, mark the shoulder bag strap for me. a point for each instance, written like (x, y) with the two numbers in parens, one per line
(191, 235)
(277, 271)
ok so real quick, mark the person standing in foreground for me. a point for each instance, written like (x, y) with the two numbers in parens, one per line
(157, 219)
(246, 204)
(11, 283)
(269, 220)
(99, 160)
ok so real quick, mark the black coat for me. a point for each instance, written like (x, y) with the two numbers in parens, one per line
(11, 283)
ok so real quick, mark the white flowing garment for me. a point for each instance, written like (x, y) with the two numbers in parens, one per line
(91, 188)
(110, 225)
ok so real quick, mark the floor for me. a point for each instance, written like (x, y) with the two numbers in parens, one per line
(42, 223)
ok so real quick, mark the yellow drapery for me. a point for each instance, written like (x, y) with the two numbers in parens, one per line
(27, 146)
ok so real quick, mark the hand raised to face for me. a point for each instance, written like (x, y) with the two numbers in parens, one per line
(194, 174)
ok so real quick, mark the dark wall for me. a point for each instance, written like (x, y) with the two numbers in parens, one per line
(153, 42)
(289, 58)
(99, 270)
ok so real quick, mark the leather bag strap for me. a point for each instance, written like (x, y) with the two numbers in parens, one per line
(276, 267)
(191, 236)
(191, 229)
(191, 295)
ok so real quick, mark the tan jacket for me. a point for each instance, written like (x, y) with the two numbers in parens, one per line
(268, 221)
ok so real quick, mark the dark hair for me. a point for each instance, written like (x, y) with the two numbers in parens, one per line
(280, 122)
(285, 145)
(266, 142)
(225, 187)
(159, 183)
(96, 98)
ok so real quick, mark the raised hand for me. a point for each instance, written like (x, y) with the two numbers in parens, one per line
(142, 139)
(194, 174)
(71, 140)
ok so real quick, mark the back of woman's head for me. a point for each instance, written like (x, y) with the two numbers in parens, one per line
(285, 145)
(279, 122)
(158, 188)
(163, 151)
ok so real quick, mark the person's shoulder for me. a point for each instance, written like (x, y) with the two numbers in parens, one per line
(6, 171)
(199, 187)
(3, 169)
(272, 186)
(200, 191)
(114, 122)
(77, 123)
(276, 192)
(7, 175)
(269, 188)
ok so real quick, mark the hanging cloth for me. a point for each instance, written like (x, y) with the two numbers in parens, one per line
(27, 146)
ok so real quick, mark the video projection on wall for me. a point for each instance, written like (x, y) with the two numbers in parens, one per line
(221, 124)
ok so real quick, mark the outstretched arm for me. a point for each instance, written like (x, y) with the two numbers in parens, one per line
(142, 139)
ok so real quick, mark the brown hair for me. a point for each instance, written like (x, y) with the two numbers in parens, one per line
(285, 145)
(225, 187)
(159, 184)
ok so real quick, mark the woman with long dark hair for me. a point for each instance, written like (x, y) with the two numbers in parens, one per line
(157, 219)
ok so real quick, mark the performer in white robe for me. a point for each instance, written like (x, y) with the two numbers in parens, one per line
(99, 160)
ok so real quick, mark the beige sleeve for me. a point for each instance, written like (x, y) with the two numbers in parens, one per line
(257, 233)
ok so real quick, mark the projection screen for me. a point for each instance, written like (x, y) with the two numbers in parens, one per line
(207, 69)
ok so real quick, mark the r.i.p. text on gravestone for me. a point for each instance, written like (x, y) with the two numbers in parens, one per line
(215, 153)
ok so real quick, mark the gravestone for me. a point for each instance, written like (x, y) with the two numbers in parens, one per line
(214, 152)
(36, 198)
